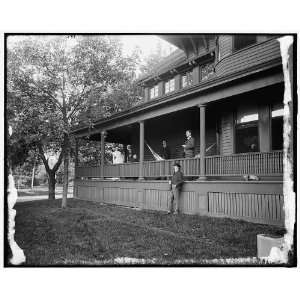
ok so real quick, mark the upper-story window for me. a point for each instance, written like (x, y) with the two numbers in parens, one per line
(187, 79)
(170, 86)
(241, 41)
(154, 92)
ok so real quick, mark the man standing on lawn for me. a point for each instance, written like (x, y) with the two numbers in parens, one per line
(176, 184)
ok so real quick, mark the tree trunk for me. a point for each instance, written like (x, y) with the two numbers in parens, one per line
(32, 178)
(66, 179)
(66, 151)
(51, 181)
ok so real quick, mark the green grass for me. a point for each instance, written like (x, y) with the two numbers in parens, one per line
(91, 233)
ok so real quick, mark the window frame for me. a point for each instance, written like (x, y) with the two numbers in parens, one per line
(189, 79)
(168, 85)
(155, 92)
(239, 126)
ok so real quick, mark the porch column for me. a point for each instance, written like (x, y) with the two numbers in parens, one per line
(142, 145)
(103, 136)
(202, 142)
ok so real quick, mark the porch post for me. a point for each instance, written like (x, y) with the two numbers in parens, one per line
(142, 145)
(202, 142)
(103, 136)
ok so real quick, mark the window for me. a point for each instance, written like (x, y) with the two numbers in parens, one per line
(277, 126)
(246, 129)
(187, 79)
(154, 92)
(170, 86)
(241, 41)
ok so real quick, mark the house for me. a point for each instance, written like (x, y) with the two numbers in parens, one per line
(227, 89)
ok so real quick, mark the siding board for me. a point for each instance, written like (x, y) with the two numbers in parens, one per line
(248, 57)
(247, 205)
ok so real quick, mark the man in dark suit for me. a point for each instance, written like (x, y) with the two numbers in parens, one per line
(189, 146)
(176, 184)
(165, 151)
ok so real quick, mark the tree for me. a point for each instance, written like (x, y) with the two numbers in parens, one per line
(152, 61)
(51, 81)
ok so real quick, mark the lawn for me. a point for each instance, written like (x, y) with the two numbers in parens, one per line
(88, 233)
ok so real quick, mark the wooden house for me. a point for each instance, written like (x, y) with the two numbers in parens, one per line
(228, 90)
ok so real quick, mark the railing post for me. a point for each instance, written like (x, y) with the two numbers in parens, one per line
(103, 136)
(202, 142)
(142, 143)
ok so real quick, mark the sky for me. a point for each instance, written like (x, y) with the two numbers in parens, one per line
(147, 43)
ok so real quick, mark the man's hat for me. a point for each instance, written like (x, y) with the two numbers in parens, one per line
(177, 165)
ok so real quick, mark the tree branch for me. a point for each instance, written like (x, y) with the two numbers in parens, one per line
(42, 155)
(56, 166)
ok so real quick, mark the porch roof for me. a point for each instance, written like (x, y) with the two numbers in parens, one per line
(262, 75)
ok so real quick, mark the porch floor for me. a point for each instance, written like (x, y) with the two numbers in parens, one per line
(90, 233)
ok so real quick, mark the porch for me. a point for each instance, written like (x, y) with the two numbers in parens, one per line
(224, 130)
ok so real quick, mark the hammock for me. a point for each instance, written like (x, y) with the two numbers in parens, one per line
(156, 156)
(207, 149)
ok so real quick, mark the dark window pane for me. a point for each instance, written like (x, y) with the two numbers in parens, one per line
(277, 134)
(242, 41)
(247, 138)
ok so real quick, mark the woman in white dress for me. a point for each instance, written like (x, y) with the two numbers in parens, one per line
(118, 156)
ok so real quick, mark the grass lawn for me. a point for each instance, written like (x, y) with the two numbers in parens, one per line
(90, 233)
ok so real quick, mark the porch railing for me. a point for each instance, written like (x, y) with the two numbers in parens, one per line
(258, 163)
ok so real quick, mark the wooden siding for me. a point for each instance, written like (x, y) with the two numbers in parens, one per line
(156, 200)
(260, 202)
(226, 147)
(249, 57)
(248, 206)
(225, 46)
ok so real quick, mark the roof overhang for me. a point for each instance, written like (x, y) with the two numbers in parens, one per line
(187, 41)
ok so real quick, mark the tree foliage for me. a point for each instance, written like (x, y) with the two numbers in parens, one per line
(54, 82)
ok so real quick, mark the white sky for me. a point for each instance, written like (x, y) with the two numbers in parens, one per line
(147, 43)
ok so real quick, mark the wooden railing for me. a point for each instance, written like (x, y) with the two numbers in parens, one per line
(189, 167)
(258, 163)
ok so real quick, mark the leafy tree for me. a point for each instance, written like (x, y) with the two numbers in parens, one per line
(52, 81)
(151, 62)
